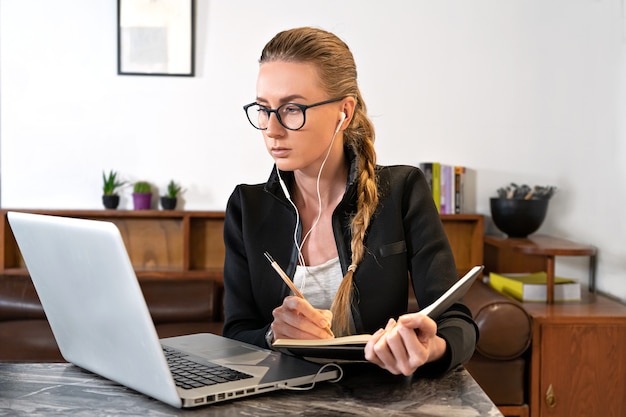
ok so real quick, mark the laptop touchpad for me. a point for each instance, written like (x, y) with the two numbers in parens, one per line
(232, 354)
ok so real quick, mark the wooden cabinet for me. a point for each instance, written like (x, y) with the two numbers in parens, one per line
(578, 358)
(160, 243)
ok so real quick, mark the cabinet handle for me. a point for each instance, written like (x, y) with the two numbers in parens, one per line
(550, 397)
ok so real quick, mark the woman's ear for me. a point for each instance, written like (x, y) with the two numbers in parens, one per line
(349, 105)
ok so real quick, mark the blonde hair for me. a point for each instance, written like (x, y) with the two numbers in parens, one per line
(338, 75)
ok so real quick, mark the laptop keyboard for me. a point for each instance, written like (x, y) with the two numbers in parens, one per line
(189, 374)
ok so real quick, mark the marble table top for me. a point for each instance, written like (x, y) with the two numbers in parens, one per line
(365, 390)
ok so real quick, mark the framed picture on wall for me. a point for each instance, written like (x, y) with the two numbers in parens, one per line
(155, 37)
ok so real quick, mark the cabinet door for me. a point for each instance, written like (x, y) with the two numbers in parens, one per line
(583, 370)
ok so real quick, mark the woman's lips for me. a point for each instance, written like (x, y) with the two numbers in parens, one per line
(278, 152)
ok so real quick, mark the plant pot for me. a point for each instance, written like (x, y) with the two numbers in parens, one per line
(142, 201)
(168, 203)
(111, 201)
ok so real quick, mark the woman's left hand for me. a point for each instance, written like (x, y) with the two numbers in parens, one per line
(403, 346)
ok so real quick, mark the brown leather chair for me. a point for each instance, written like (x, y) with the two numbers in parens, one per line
(178, 306)
(500, 362)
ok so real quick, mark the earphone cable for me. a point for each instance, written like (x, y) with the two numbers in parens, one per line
(299, 247)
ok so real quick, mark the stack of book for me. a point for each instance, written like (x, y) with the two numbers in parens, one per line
(451, 185)
(533, 287)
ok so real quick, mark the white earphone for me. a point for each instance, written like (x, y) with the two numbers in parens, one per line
(283, 186)
(342, 118)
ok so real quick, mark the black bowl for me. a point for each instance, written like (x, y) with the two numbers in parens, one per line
(517, 217)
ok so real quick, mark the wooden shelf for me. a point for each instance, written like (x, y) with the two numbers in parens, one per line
(534, 253)
(160, 243)
(465, 233)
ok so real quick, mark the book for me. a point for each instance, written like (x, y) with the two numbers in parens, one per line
(351, 348)
(469, 191)
(453, 187)
(443, 189)
(532, 287)
(450, 179)
(464, 189)
(446, 190)
(459, 189)
(437, 185)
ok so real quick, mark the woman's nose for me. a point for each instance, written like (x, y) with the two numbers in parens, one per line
(274, 127)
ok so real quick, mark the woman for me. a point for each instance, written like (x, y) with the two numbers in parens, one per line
(349, 232)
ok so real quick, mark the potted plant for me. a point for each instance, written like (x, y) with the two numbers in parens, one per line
(169, 200)
(142, 195)
(111, 183)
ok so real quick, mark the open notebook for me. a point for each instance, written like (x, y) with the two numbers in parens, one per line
(351, 348)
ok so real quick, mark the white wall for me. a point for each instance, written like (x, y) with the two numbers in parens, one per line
(530, 91)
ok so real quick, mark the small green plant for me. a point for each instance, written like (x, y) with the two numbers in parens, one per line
(142, 187)
(173, 189)
(111, 183)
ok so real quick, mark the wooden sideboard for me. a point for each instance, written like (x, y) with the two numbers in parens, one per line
(578, 349)
(578, 358)
(190, 243)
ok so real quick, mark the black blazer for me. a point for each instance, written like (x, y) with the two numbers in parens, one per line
(405, 240)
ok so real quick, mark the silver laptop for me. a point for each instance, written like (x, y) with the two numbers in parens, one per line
(100, 320)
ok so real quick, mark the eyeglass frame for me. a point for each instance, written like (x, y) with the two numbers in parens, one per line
(302, 107)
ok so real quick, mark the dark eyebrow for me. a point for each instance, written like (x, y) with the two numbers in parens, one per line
(283, 100)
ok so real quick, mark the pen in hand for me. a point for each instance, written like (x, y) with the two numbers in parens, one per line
(290, 283)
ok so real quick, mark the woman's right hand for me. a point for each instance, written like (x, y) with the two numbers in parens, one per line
(297, 319)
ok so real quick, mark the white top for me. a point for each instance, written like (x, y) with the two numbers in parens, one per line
(319, 283)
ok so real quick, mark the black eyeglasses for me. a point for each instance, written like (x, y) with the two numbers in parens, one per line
(291, 116)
